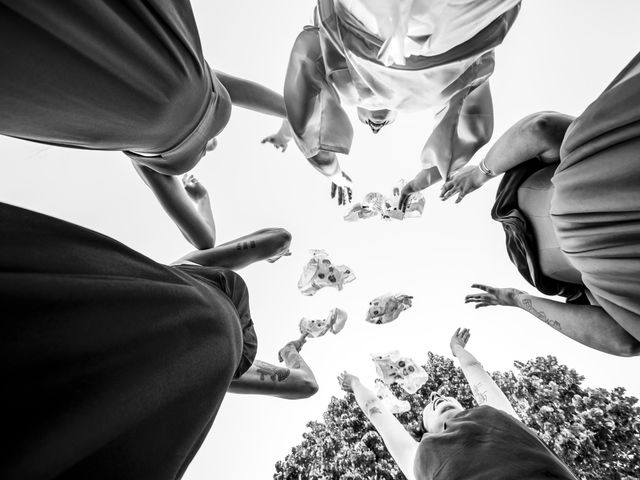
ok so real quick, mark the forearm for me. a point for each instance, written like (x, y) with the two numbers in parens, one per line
(539, 135)
(243, 251)
(195, 221)
(425, 178)
(262, 378)
(294, 361)
(252, 95)
(485, 391)
(590, 325)
(397, 440)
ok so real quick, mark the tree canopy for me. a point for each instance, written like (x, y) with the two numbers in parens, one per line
(595, 431)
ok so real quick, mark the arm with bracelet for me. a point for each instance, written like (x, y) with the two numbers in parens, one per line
(535, 136)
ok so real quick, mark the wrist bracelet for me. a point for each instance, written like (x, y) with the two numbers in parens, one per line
(484, 169)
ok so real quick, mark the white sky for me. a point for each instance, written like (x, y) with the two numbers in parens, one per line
(558, 56)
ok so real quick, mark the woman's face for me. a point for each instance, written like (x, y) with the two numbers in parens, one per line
(438, 411)
(376, 119)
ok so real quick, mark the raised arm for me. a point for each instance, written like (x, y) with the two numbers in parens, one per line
(294, 381)
(588, 324)
(465, 127)
(399, 442)
(186, 202)
(538, 135)
(303, 88)
(267, 244)
(252, 95)
(484, 389)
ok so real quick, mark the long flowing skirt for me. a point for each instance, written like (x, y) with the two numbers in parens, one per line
(113, 365)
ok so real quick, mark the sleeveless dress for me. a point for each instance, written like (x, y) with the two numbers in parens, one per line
(594, 208)
(357, 70)
(484, 443)
(113, 365)
(109, 75)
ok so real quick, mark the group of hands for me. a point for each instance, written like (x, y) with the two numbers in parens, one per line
(459, 339)
(462, 182)
(488, 297)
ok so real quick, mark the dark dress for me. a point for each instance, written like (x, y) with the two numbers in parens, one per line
(113, 366)
(484, 443)
(594, 209)
(109, 75)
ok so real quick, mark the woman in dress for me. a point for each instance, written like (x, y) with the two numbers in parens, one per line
(569, 203)
(113, 365)
(485, 442)
(388, 57)
(121, 75)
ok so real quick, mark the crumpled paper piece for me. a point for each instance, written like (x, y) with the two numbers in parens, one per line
(319, 272)
(375, 203)
(389, 400)
(386, 308)
(394, 368)
(334, 322)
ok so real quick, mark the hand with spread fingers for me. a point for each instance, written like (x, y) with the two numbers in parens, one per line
(341, 188)
(346, 381)
(465, 181)
(494, 296)
(459, 339)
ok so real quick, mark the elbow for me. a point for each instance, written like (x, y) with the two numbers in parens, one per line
(630, 348)
(203, 241)
(307, 389)
(282, 238)
(549, 127)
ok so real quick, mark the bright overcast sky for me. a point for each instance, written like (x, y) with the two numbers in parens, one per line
(559, 55)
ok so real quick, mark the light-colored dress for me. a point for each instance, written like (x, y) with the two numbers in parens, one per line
(429, 55)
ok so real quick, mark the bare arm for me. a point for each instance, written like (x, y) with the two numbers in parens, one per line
(588, 324)
(302, 87)
(538, 135)
(466, 126)
(294, 381)
(252, 95)
(187, 204)
(398, 441)
(266, 244)
(484, 389)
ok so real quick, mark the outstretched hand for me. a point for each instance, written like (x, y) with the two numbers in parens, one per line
(493, 296)
(465, 181)
(194, 188)
(459, 338)
(341, 189)
(346, 381)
